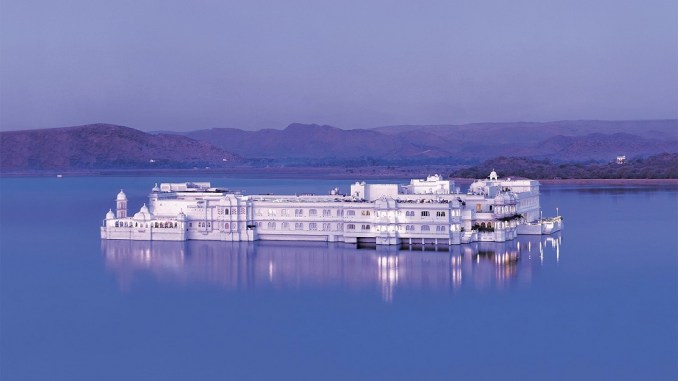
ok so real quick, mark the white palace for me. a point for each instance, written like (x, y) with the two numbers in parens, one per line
(423, 212)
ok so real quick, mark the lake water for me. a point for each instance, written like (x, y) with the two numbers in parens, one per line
(598, 301)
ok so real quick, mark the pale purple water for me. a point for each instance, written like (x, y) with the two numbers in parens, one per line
(599, 301)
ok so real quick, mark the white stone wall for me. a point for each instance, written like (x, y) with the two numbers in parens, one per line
(374, 212)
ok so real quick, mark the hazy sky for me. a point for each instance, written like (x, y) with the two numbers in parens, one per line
(179, 65)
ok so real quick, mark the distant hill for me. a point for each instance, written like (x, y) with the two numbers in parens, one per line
(309, 141)
(111, 146)
(565, 141)
(597, 146)
(662, 166)
(104, 146)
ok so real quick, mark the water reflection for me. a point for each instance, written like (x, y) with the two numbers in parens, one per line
(243, 265)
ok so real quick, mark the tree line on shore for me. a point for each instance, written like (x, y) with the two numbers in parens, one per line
(661, 166)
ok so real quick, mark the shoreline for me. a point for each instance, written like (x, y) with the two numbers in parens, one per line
(353, 173)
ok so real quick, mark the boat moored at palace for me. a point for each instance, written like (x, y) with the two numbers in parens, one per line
(427, 211)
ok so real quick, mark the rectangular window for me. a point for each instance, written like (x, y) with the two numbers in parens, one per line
(286, 226)
(350, 226)
(365, 227)
(440, 214)
(425, 213)
(298, 212)
(298, 226)
(350, 213)
(283, 212)
(313, 226)
(312, 212)
(327, 213)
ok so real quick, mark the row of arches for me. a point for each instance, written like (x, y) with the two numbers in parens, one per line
(156, 224)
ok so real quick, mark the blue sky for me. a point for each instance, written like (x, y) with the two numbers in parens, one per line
(181, 65)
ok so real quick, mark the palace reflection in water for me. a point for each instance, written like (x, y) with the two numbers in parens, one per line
(252, 265)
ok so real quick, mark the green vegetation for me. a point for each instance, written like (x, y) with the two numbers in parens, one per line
(662, 166)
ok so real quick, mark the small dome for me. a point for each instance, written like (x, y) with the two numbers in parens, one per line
(156, 188)
(110, 215)
(121, 196)
(493, 175)
(143, 214)
(181, 216)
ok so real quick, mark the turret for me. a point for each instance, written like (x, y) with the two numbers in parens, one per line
(121, 205)
(493, 175)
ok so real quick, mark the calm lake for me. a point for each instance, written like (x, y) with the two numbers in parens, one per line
(597, 301)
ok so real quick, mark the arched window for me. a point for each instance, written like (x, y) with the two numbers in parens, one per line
(116, 224)
(425, 228)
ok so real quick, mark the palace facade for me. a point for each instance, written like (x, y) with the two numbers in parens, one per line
(430, 211)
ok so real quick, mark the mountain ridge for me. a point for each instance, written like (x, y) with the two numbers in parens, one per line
(103, 146)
